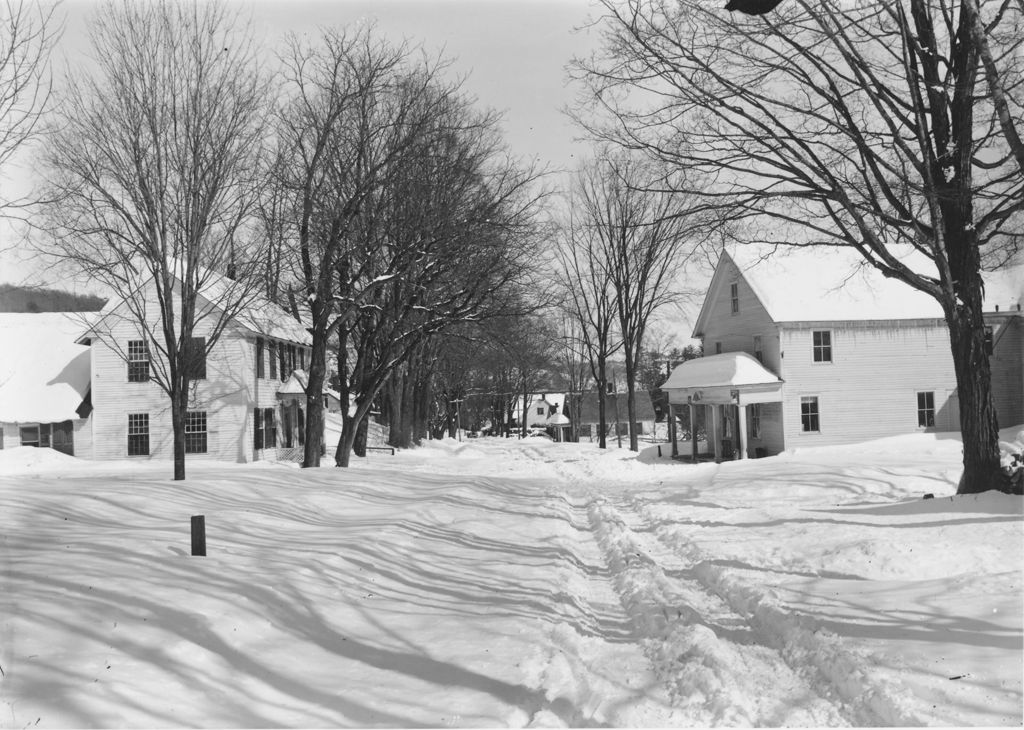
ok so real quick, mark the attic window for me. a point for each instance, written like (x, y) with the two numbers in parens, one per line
(540, 410)
(988, 340)
(196, 358)
(734, 295)
(758, 349)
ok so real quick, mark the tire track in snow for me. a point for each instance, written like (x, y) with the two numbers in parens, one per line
(709, 656)
(800, 642)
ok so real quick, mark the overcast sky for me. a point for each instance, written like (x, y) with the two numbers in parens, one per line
(513, 53)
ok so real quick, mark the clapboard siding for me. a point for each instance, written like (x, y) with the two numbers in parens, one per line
(736, 331)
(225, 395)
(869, 390)
(1008, 368)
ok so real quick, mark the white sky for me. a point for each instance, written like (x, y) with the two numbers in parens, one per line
(513, 52)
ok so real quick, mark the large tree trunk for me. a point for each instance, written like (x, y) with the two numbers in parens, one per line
(602, 404)
(343, 454)
(315, 399)
(634, 441)
(179, 405)
(979, 426)
(362, 434)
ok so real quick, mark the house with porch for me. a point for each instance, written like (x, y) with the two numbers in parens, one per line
(808, 347)
(85, 384)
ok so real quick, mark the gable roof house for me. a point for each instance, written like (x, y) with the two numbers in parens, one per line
(811, 348)
(44, 382)
(245, 402)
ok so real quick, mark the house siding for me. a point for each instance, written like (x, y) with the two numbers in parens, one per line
(1007, 364)
(869, 390)
(224, 394)
(736, 331)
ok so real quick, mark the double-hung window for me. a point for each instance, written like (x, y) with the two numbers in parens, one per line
(138, 434)
(926, 409)
(809, 414)
(138, 361)
(822, 345)
(195, 432)
(269, 429)
(734, 297)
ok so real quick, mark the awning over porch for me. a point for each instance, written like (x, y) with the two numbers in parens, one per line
(731, 377)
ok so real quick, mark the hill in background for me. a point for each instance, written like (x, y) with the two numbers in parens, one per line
(15, 298)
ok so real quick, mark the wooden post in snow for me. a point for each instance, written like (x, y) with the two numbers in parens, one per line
(199, 535)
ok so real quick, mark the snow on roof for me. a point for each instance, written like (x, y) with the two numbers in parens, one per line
(829, 284)
(732, 369)
(259, 315)
(44, 375)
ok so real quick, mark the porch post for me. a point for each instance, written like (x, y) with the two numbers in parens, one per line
(716, 420)
(672, 435)
(741, 428)
(693, 433)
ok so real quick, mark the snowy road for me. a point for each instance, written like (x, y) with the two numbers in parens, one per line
(508, 584)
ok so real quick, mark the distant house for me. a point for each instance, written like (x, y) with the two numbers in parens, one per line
(616, 415)
(805, 348)
(85, 386)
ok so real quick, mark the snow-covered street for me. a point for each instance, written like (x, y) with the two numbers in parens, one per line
(512, 583)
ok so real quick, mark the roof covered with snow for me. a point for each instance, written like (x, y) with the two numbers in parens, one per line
(834, 284)
(259, 315)
(44, 375)
(730, 369)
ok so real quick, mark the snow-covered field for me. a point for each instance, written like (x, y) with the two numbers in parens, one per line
(512, 583)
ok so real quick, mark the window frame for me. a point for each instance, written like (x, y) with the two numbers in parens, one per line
(734, 297)
(261, 369)
(821, 347)
(139, 430)
(193, 434)
(810, 417)
(257, 429)
(135, 362)
(926, 412)
(755, 420)
(269, 428)
(759, 348)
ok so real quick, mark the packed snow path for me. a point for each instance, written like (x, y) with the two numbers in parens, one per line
(513, 583)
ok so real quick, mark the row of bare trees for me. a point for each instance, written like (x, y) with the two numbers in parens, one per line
(891, 128)
(357, 185)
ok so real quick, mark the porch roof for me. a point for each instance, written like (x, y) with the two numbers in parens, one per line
(731, 377)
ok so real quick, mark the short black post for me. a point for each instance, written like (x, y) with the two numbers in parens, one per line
(198, 535)
(659, 451)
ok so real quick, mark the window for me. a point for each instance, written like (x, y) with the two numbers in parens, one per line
(257, 429)
(734, 295)
(718, 348)
(758, 350)
(29, 435)
(196, 358)
(281, 361)
(45, 431)
(195, 432)
(540, 410)
(286, 427)
(260, 368)
(926, 409)
(809, 417)
(138, 434)
(988, 340)
(755, 420)
(302, 358)
(269, 429)
(291, 358)
(272, 353)
(822, 345)
(138, 361)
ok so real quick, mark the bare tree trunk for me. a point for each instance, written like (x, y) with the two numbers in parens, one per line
(179, 406)
(362, 433)
(314, 395)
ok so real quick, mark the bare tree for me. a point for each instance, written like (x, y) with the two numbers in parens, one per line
(834, 124)
(153, 174)
(639, 239)
(27, 33)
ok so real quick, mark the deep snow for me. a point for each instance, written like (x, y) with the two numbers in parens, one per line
(512, 583)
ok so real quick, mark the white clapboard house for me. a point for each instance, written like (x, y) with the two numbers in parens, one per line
(82, 383)
(806, 348)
